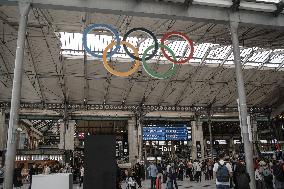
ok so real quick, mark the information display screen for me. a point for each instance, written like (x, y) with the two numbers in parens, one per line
(168, 133)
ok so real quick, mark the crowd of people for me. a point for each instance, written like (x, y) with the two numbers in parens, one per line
(172, 171)
(19, 176)
(228, 172)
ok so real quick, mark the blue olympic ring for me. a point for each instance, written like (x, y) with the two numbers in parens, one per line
(101, 26)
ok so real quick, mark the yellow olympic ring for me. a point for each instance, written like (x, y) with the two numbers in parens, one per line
(111, 70)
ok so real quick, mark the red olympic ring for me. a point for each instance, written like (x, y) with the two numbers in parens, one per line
(169, 34)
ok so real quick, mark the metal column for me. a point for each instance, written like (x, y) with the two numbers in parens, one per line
(242, 102)
(16, 95)
(211, 137)
(140, 139)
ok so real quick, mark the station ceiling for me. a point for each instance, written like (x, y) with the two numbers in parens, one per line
(55, 74)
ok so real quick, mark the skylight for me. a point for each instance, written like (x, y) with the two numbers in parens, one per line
(205, 53)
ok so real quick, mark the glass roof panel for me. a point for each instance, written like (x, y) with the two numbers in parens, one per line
(71, 44)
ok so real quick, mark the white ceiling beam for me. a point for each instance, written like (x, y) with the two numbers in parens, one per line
(215, 3)
(164, 10)
(252, 6)
(207, 53)
(269, 58)
(280, 66)
(226, 57)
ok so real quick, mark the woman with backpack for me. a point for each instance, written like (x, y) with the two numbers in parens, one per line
(278, 172)
(243, 178)
(258, 178)
(267, 176)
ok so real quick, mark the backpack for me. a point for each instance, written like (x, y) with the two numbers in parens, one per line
(279, 172)
(267, 175)
(222, 173)
(266, 172)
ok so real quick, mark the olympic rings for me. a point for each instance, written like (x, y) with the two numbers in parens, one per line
(146, 31)
(167, 35)
(154, 74)
(101, 26)
(111, 70)
(135, 55)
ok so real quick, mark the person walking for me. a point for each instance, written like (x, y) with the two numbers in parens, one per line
(210, 169)
(46, 170)
(197, 168)
(138, 174)
(82, 173)
(258, 178)
(223, 173)
(158, 181)
(243, 178)
(17, 176)
(267, 176)
(153, 171)
(32, 171)
(278, 173)
(190, 169)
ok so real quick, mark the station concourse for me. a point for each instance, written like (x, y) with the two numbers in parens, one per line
(165, 82)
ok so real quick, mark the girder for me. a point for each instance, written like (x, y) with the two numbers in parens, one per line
(146, 108)
(214, 11)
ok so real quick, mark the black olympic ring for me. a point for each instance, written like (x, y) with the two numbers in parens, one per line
(156, 45)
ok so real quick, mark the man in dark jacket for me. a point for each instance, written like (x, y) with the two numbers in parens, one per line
(17, 177)
(32, 171)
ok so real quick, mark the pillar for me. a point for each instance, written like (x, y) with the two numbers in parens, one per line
(140, 139)
(231, 145)
(242, 99)
(24, 8)
(132, 140)
(197, 137)
(22, 138)
(205, 147)
(67, 131)
(254, 135)
(3, 131)
(211, 137)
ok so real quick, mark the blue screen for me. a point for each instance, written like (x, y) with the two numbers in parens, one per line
(177, 132)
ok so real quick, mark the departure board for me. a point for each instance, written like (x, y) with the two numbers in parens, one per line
(165, 133)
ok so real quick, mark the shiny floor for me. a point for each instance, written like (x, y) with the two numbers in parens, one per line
(146, 185)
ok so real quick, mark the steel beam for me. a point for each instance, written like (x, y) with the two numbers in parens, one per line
(242, 102)
(165, 10)
(16, 96)
(36, 71)
(60, 79)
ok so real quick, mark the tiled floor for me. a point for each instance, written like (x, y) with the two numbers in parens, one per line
(187, 184)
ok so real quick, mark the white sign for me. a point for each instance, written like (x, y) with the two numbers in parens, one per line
(249, 129)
